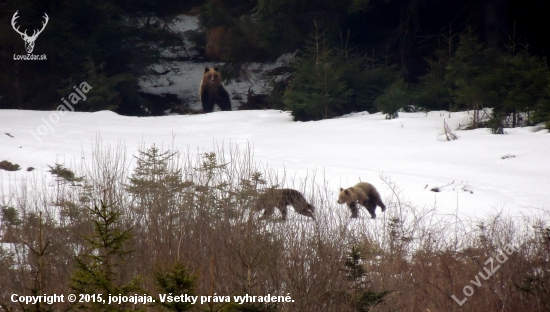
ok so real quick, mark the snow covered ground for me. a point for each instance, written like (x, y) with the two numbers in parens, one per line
(478, 174)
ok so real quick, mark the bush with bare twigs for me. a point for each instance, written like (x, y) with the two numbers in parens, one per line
(192, 230)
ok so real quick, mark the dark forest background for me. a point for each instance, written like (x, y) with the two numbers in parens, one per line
(378, 55)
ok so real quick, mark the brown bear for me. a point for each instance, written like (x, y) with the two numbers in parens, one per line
(363, 193)
(280, 199)
(212, 92)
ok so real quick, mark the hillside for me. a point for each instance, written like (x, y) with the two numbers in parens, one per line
(472, 173)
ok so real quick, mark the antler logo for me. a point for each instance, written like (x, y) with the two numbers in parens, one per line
(29, 40)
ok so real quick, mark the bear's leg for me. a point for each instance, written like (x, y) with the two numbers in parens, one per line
(284, 211)
(207, 107)
(354, 209)
(207, 103)
(381, 204)
(371, 208)
(268, 211)
(223, 100)
(372, 212)
(304, 210)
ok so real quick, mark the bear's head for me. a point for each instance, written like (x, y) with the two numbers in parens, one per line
(346, 196)
(212, 77)
(309, 211)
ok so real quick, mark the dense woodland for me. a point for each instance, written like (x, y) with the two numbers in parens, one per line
(376, 55)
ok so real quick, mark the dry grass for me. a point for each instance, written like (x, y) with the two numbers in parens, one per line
(197, 212)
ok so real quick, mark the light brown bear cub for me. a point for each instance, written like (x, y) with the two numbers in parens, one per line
(363, 193)
(212, 92)
(280, 199)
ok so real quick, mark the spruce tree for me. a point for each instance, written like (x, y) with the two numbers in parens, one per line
(395, 98)
(362, 299)
(433, 92)
(176, 281)
(97, 270)
(318, 89)
(155, 177)
(157, 186)
(471, 71)
(526, 78)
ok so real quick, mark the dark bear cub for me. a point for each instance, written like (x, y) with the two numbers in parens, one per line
(280, 199)
(212, 92)
(363, 193)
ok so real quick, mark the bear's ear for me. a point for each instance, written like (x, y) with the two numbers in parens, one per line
(346, 192)
(206, 70)
(216, 69)
(341, 189)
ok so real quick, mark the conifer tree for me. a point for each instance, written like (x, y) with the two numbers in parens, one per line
(542, 109)
(362, 298)
(354, 269)
(213, 190)
(318, 90)
(395, 98)
(97, 270)
(468, 69)
(526, 78)
(433, 91)
(176, 281)
(155, 176)
(39, 250)
(156, 185)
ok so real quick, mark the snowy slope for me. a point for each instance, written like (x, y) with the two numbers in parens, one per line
(472, 176)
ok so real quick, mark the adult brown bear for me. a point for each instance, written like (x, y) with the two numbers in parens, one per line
(363, 193)
(212, 92)
(280, 199)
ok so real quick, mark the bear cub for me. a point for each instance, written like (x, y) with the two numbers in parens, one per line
(212, 92)
(280, 199)
(363, 193)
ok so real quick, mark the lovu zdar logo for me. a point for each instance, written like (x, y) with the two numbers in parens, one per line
(29, 40)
